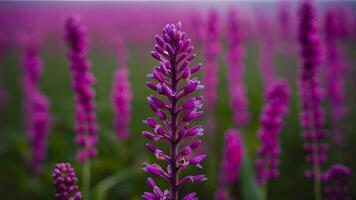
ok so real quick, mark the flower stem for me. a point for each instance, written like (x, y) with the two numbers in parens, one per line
(174, 144)
(317, 186)
(265, 191)
(86, 180)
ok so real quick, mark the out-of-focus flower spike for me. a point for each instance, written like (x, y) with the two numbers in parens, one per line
(211, 51)
(237, 90)
(76, 38)
(36, 104)
(335, 75)
(309, 90)
(277, 98)
(233, 155)
(121, 99)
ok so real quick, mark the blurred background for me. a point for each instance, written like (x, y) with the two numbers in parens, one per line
(116, 172)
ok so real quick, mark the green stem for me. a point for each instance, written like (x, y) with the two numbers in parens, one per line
(250, 189)
(265, 191)
(86, 180)
(317, 186)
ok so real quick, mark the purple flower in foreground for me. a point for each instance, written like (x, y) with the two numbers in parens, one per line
(335, 75)
(239, 102)
(65, 182)
(121, 98)
(312, 115)
(82, 79)
(336, 177)
(175, 113)
(271, 121)
(36, 106)
(233, 155)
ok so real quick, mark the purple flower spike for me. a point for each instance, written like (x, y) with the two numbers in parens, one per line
(312, 114)
(233, 155)
(212, 49)
(175, 111)
(82, 79)
(237, 90)
(336, 68)
(36, 105)
(336, 177)
(271, 123)
(121, 98)
(65, 182)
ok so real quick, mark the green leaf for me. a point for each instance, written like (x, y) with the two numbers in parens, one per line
(105, 185)
(250, 190)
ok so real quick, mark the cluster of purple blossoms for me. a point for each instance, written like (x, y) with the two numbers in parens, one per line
(82, 79)
(337, 177)
(239, 102)
(36, 106)
(211, 51)
(336, 68)
(121, 99)
(233, 155)
(176, 111)
(271, 118)
(65, 182)
(312, 115)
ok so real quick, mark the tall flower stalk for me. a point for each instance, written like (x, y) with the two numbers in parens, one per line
(176, 111)
(121, 97)
(65, 182)
(237, 90)
(312, 115)
(335, 76)
(267, 163)
(36, 106)
(233, 155)
(82, 80)
(210, 75)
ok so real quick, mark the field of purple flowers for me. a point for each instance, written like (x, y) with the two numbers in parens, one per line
(178, 100)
